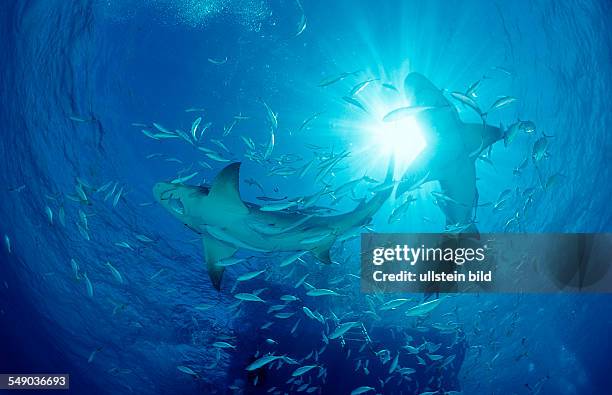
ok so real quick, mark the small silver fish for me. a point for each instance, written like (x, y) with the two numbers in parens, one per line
(7, 243)
(303, 20)
(362, 390)
(511, 133)
(194, 128)
(355, 103)
(217, 61)
(83, 232)
(194, 109)
(161, 128)
(93, 354)
(115, 273)
(332, 80)
(184, 179)
(216, 157)
(117, 197)
(124, 244)
(229, 262)
(49, 213)
(527, 127)
(468, 101)
(143, 238)
(248, 297)
(302, 370)
(104, 187)
(61, 215)
(291, 258)
(390, 86)
(308, 120)
(250, 275)
(75, 269)
(270, 146)
(393, 304)
(278, 206)
(80, 192)
(405, 112)
(471, 91)
(322, 292)
(272, 116)
(223, 345)
(502, 102)
(228, 129)
(263, 361)
(284, 315)
(361, 86)
(88, 285)
(539, 149)
(342, 329)
(187, 370)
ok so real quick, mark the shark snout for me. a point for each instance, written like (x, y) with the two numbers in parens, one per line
(161, 190)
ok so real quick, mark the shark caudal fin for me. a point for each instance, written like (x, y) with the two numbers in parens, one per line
(214, 252)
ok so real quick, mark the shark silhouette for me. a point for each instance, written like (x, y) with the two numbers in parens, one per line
(227, 223)
(450, 154)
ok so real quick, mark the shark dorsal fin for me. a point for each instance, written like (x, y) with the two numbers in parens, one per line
(225, 187)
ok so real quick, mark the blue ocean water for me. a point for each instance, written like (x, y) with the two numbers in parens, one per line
(78, 80)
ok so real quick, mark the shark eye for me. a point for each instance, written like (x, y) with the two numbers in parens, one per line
(176, 205)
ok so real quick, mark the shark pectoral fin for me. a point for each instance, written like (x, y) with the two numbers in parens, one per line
(478, 137)
(322, 253)
(420, 91)
(225, 188)
(215, 251)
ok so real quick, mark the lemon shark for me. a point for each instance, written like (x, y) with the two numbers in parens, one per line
(227, 223)
(450, 154)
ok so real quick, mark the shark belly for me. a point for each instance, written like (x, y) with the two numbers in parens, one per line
(453, 147)
(228, 224)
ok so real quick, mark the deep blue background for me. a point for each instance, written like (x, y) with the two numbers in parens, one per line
(115, 63)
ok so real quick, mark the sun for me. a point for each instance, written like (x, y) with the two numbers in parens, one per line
(403, 140)
(374, 141)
